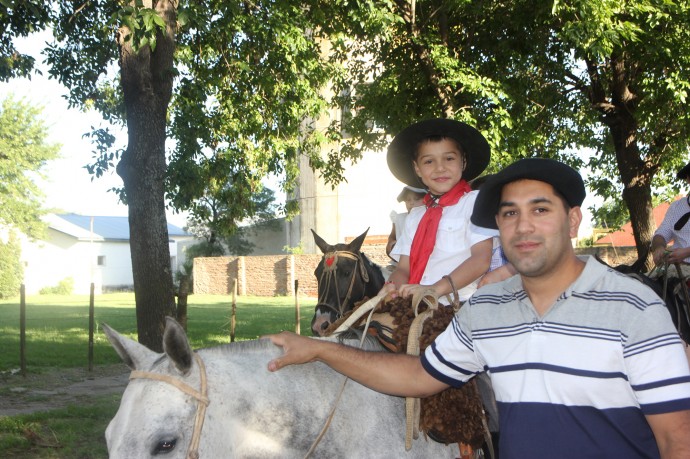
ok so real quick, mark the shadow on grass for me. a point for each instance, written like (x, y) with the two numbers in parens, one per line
(72, 432)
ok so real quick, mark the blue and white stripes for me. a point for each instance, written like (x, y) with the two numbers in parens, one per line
(606, 354)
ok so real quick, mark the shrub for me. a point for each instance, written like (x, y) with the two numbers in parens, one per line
(64, 287)
(11, 272)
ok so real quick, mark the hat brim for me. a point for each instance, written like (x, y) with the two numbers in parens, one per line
(401, 150)
(410, 189)
(684, 172)
(563, 178)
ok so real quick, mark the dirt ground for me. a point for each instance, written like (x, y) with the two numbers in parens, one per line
(58, 388)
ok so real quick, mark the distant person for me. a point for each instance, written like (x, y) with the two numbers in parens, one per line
(499, 268)
(412, 197)
(674, 227)
(439, 248)
(585, 361)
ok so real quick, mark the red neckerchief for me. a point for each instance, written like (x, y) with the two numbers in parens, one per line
(425, 237)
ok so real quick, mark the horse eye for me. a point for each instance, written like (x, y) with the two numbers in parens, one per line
(164, 446)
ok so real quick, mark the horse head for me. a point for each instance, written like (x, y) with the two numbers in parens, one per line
(345, 276)
(181, 372)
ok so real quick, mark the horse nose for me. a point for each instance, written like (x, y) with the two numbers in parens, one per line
(320, 327)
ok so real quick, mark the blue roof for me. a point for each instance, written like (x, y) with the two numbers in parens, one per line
(111, 228)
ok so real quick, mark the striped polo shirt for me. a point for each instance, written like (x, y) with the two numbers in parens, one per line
(578, 381)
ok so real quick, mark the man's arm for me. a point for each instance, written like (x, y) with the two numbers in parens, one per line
(671, 433)
(395, 374)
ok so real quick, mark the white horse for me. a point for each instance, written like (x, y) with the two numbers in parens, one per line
(222, 402)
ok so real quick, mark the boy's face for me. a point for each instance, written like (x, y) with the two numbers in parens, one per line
(413, 200)
(439, 165)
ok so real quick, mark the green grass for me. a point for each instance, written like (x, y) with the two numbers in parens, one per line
(57, 327)
(72, 432)
(57, 336)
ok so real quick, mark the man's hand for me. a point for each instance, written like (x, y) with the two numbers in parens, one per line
(677, 255)
(659, 255)
(296, 350)
(497, 275)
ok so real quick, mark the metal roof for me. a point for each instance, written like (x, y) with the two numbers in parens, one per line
(104, 228)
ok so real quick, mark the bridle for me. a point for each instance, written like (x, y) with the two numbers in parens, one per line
(330, 266)
(200, 395)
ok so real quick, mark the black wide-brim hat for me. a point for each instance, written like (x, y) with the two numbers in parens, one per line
(684, 172)
(401, 151)
(563, 178)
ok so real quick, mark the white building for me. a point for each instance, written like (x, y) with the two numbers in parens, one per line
(87, 249)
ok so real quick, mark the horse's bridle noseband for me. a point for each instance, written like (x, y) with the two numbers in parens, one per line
(330, 265)
(200, 395)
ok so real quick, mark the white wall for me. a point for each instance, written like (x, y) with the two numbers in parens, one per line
(368, 196)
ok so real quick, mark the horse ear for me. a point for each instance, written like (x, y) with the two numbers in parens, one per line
(323, 245)
(136, 356)
(357, 242)
(176, 345)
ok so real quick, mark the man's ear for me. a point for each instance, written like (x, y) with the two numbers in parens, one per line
(574, 220)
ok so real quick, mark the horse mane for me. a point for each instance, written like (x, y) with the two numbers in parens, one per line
(260, 345)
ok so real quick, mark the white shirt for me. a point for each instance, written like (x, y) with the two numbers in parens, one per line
(680, 238)
(455, 237)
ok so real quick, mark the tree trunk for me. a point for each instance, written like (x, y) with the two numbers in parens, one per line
(146, 79)
(617, 107)
(444, 92)
(637, 190)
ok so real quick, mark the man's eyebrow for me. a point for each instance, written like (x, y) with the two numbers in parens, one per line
(538, 200)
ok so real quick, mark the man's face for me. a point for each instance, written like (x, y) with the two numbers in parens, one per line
(535, 227)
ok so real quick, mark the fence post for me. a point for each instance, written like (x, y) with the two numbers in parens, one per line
(297, 317)
(91, 324)
(182, 295)
(22, 329)
(234, 310)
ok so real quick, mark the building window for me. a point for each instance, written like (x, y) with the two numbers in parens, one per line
(100, 261)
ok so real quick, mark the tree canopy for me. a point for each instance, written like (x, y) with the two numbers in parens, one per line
(24, 150)
(557, 79)
(239, 86)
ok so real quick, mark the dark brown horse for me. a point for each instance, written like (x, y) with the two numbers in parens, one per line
(345, 276)
(673, 290)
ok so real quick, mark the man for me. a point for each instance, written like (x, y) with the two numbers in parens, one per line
(585, 362)
(676, 228)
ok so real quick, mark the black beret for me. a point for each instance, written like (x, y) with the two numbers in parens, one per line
(563, 178)
(684, 172)
(401, 150)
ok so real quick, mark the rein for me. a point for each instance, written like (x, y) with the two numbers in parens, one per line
(200, 395)
(369, 306)
(330, 266)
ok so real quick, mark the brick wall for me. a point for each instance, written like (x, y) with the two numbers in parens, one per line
(269, 275)
(274, 275)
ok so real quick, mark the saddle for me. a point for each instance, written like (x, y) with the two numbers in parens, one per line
(455, 415)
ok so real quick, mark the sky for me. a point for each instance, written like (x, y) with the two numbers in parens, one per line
(69, 186)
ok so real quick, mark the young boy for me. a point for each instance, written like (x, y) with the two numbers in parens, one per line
(412, 197)
(439, 247)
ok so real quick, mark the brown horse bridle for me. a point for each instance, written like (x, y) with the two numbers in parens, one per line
(200, 395)
(330, 266)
